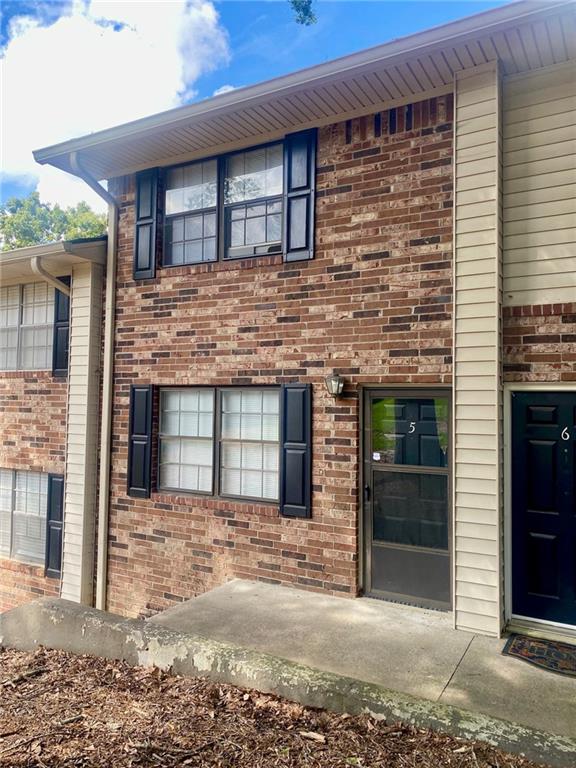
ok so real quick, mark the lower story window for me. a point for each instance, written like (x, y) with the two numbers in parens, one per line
(23, 508)
(223, 441)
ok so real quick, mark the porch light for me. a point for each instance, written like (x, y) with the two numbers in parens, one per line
(334, 384)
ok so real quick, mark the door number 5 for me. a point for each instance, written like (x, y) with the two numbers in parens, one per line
(565, 434)
(412, 428)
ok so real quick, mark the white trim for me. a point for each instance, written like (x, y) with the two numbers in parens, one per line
(509, 388)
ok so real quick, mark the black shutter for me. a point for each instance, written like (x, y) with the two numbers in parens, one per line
(61, 337)
(140, 441)
(146, 219)
(54, 525)
(296, 444)
(299, 188)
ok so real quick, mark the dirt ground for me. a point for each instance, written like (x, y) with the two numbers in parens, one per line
(57, 709)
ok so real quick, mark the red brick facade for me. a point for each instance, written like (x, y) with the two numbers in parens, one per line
(374, 304)
(540, 343)
(32, 430)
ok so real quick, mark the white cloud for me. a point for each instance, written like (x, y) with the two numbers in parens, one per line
(102, 64)
(224, 89)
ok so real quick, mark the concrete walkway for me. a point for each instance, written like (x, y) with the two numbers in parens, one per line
(408, 650)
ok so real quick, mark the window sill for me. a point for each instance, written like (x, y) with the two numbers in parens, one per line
(228, 265)
(209, 501)
(17, 566)
(40, 373)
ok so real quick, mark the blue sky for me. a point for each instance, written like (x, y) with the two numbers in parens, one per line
(74, 62)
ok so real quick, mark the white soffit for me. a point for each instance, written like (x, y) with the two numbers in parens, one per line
(524, 36)
(57, 258)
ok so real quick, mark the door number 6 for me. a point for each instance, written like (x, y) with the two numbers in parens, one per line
(565, 434)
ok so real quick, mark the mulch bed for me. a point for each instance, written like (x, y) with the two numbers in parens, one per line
(57, 709)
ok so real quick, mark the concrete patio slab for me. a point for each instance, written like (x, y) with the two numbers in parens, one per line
(363, 639)
(401, 648)
(501, 686)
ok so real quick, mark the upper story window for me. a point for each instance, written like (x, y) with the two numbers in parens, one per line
(253, 202)
(236, 198)
(191, 198)
(26, 326)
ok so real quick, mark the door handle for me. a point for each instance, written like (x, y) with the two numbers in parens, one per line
(366, 493)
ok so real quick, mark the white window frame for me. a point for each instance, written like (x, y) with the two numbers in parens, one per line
(9, 514)
(20, 328)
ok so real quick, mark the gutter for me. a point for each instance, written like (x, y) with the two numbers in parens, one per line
(107, 380)
(38, 269)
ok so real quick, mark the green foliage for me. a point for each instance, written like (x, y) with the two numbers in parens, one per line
(303, 12)
(27, 221)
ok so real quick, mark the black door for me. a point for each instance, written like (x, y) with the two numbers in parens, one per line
(544, 506)
(407, 496)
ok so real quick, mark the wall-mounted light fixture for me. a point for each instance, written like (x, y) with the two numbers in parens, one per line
(334, 384)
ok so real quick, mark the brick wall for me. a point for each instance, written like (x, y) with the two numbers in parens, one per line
(540, 343)
(375, 304)
(32, 438)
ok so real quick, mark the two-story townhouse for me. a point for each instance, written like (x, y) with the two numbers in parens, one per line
(341, 324)
(50, 323)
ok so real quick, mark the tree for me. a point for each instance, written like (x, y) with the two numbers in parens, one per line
(303, 12)
(27, 221)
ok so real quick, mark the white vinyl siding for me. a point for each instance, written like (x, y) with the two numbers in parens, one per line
(26, 326)
(82, 433)
(23, 507)
(477, 385)
(539, 200)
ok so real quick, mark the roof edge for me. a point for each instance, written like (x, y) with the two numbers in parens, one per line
(429, 37)
(87, 249)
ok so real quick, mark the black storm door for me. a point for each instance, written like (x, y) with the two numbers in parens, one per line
(544, 506)
(407, 496)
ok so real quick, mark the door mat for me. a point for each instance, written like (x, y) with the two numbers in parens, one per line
(547, 654)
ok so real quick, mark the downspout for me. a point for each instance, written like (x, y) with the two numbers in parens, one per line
(107, 381)
(38, 269)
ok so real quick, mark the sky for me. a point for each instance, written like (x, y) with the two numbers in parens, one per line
(71, 67)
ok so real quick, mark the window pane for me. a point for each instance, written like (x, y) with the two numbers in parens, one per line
(191, 188)
(230, 482)
(170, 451)
(231, 426)
(190, 239)
(29, 517)
(251, 483)
(252, 230)
(254, 174)
(169, 475)
(186, 459)
(251, 401)
(249, 466)
(270, 485)
(271, 458)
(5, 511)
(271, 401)
(256, 231)
(35, 316)
(410, 431)
(252, 456)
(411, 509)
